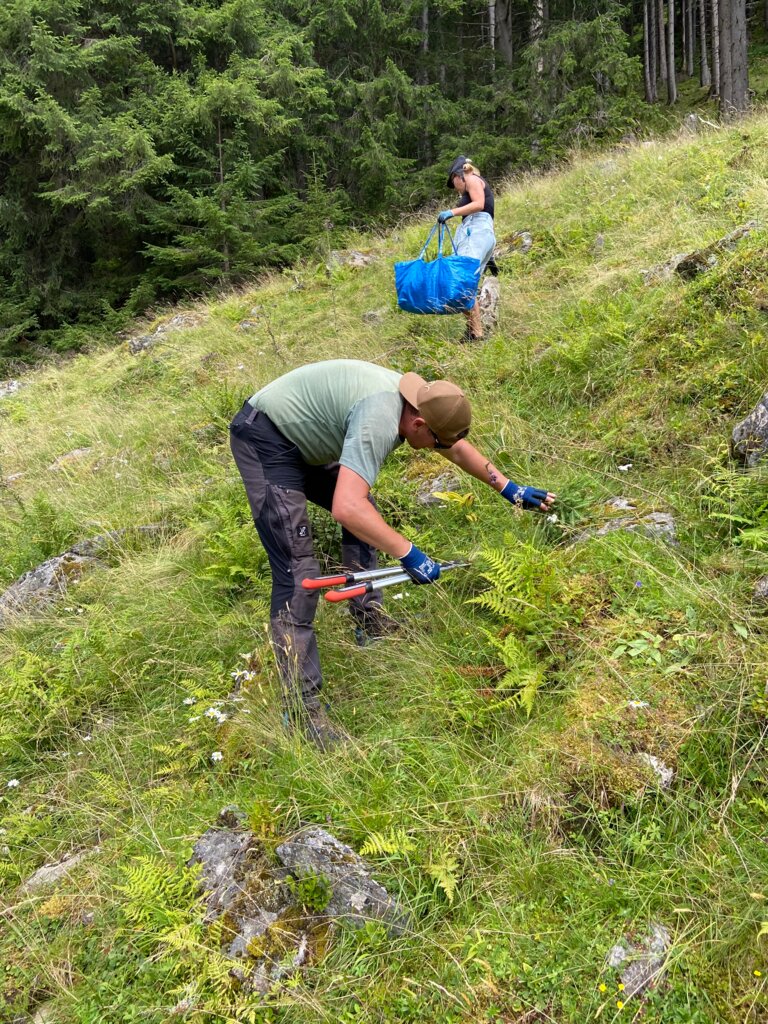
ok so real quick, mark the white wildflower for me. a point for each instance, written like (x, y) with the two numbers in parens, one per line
(398, 597)
(87, 738)
(217, 756)
(638, 704)
(12, 783)
(194, 718)
(552, 518)
(189, 700)
(625, 468)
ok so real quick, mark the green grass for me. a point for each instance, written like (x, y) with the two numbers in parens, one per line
(517, 827)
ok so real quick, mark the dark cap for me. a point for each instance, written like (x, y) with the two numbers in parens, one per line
(457, 167)
(443, 406)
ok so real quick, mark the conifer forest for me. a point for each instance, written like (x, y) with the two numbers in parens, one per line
(154, 150)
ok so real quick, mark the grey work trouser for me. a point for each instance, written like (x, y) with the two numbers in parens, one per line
(279, 483)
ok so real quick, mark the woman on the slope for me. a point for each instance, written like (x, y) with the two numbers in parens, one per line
(475, 237)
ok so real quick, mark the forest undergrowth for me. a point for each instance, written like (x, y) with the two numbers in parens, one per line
(494, 776)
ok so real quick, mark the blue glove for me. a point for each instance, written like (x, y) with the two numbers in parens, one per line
(419, 566)
(444, 216)
(526, 497)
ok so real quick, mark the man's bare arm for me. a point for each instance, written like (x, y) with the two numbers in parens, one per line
(465, 456)
(354, 511)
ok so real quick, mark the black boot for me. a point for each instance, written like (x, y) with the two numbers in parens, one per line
(315, 725)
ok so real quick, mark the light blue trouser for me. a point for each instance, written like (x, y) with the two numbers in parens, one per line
(475, 238)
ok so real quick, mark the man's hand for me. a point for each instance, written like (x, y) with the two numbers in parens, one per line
(444, 216)
(528, 497)
(419, 566)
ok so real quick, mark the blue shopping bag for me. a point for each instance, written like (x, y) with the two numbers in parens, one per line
(446, 284)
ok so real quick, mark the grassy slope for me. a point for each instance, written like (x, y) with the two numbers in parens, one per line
(542, 824)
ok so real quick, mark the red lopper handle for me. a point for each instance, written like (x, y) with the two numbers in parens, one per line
(323, 581)
(344, 595)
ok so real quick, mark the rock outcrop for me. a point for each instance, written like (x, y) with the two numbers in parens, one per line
(656, 525)
(689, 264)
(179, 322)
(276, 918)
(749, 440)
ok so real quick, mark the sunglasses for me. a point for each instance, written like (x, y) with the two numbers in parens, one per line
(439, 444)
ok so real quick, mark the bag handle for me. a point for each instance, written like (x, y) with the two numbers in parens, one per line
(440, 238)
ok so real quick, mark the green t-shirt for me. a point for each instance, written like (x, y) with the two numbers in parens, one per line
(340, 410)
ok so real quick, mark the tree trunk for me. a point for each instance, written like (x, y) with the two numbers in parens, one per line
(504, 30)
(726, 76)
(426, 147)
(653, 36)
(704, 76)
(492, 31)
(671, 78)
(715, 90)
(662, 40)
(424, 46)
(734, 79)
(683, 33)
(222, 199)
(690, 52)
(739, 98)
(649, 78)
(538, 17)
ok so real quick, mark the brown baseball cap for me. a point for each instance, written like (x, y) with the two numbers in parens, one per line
(443, 405)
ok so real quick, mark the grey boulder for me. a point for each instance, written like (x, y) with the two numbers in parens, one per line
(356, 896)
(749, 440)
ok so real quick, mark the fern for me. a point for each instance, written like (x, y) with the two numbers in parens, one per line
(523, 586)
(394, 843)
(158, 896)
(110, 791)
(755, 537)
(735, 501)
(532, 680)
(216, 975)
(527, 596)
(445, 874)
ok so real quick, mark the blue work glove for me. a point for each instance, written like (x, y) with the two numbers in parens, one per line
(419, 566)
(526, 497)
(444, 216)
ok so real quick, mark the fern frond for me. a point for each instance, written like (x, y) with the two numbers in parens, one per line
(445, 874)
(396, 842)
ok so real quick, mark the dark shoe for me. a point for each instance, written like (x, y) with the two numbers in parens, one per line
(375, 625)
(320, 730)
(316, 726)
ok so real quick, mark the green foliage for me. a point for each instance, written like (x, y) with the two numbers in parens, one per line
(733, 500)
(157, 897)
(235, 559)
(163, 151)
(313, 892)
(582, 81)
(445, 872)
(521, 843)
(393, 843)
